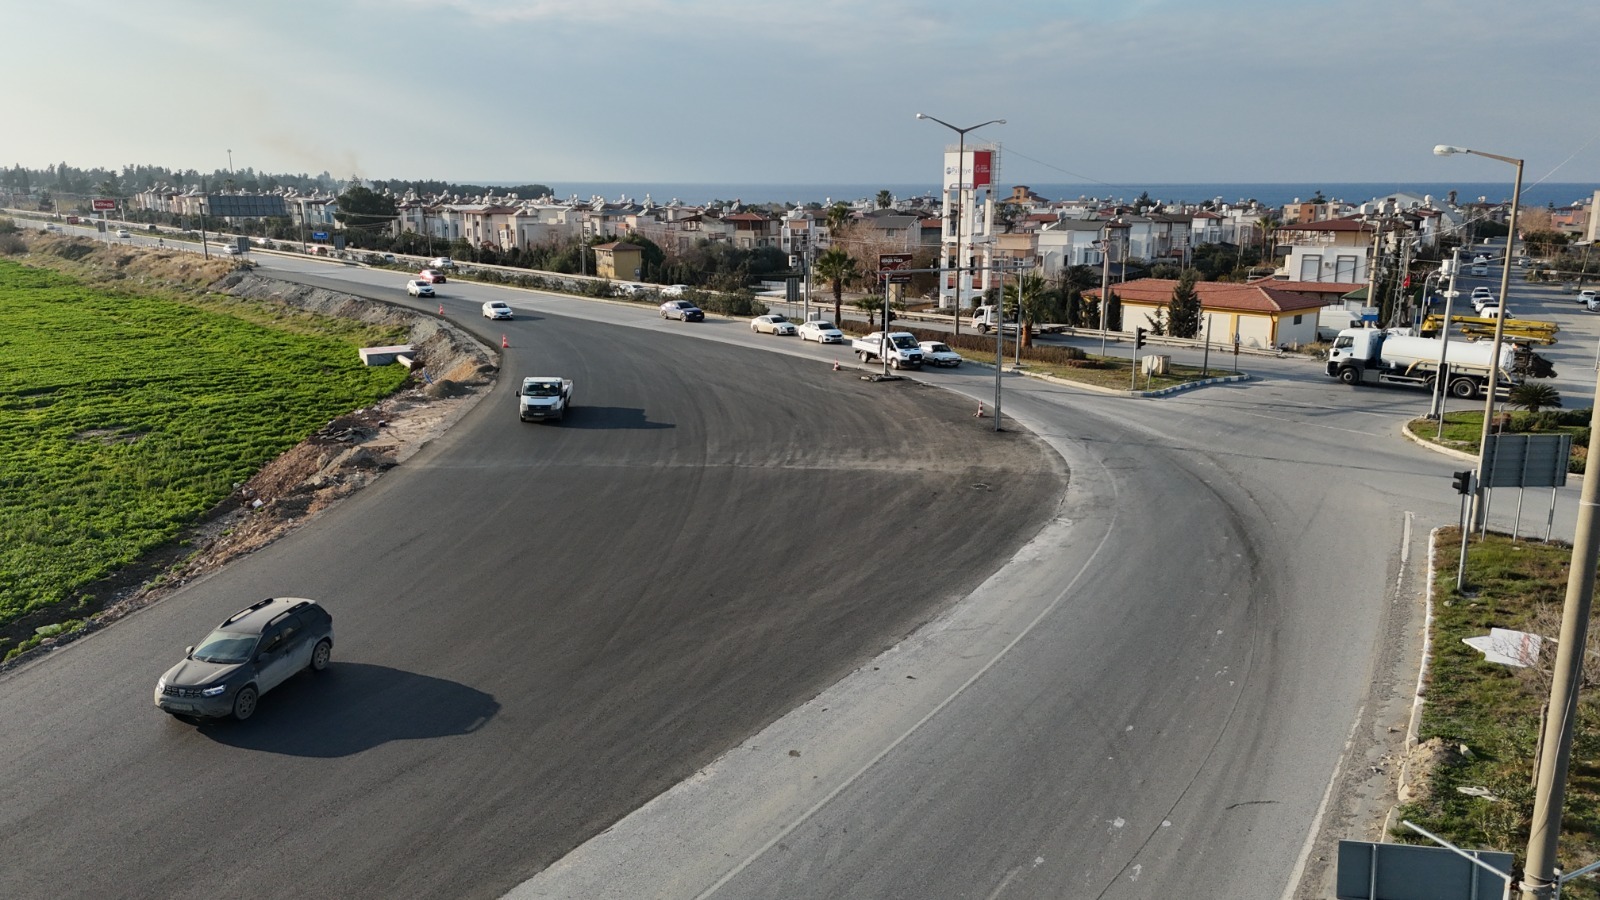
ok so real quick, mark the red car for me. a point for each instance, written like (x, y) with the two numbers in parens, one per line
(431, 276)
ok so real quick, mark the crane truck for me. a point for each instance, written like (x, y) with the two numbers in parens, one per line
(1378, 356)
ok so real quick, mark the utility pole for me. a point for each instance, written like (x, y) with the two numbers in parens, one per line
(1539, 874)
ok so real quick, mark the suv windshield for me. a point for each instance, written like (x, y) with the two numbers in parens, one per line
(225, 647)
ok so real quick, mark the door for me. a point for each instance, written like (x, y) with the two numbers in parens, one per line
(274, 661)
(1311, 267)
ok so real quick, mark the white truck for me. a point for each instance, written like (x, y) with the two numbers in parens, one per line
(898, 347)
(1377, 356)
(544, 398)
(984, 318)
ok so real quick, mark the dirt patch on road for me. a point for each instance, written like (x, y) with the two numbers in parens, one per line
(453, 371)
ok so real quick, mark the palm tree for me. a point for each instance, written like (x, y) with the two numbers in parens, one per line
(838, 267)
(1534, 397)
(838, 216)
(1268, 224)
(1036, 303)
(885, 199)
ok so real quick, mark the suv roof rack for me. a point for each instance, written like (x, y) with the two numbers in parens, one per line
(246, 611)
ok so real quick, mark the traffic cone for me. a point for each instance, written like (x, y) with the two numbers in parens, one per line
(441, 309)
(503, 342)
(836, 365)
(979, 413)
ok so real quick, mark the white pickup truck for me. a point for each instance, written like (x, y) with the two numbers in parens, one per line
(544, 398)
(898, 347)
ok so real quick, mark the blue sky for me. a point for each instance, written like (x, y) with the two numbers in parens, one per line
(819, 91)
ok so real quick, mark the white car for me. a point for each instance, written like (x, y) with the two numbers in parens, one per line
(441, 262)
(123, 233)
(496, 309)
(773, 323)
(937, 353)
(419, 288)
(821, 331)
(674, 290)
(1586, 297)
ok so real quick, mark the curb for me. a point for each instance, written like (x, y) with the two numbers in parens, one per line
(1458, 454)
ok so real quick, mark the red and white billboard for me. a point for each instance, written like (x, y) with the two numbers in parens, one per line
(978, 169)
(982, 168)
(104, 204)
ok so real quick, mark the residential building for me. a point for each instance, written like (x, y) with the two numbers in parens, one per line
(1257, 315)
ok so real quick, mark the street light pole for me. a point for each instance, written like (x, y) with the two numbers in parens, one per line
(1499, 322)
(1105, 281)
(961, 195)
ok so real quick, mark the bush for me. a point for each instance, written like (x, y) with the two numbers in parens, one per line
(12, 245)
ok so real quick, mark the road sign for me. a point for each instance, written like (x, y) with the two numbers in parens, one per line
(888, 263)
(105, 204)
(319, 235)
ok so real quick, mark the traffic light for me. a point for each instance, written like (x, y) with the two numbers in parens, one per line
(1138, 338)
(1463, 482)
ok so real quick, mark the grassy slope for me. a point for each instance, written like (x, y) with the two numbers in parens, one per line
(123, 417)
(1494, 710)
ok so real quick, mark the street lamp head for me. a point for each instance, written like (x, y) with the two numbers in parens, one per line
(1446, 150)
(921, 116)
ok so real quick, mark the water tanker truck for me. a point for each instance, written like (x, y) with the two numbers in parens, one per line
(1377, 356)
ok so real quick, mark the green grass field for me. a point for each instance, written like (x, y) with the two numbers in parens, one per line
(125, 417)
(1492, 711)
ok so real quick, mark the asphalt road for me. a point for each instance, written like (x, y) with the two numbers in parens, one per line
(539, 628)
(1183, 685)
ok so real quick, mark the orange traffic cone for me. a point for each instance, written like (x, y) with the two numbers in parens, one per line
(503, 342)
(441, 309)
(979, 413)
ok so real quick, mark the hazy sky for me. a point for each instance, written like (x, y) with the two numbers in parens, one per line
(808, 91)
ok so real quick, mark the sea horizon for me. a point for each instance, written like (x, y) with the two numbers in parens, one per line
(1274, 194)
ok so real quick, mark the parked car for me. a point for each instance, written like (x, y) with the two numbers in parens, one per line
(674, 290)
(821, 331)
(496, 309)
(441, 262)
(937, 353)
(682, 310)
(250, 653)
(432, 276)
(772, 323)
(419, 288)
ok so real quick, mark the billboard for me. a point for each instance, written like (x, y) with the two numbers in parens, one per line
(245, 206)
(889, 265)
(104, 204)
(982, 168)
(978, 171)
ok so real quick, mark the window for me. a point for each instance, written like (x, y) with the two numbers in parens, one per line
(1297, 319)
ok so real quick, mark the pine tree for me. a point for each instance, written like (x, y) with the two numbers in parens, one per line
(1183, 310)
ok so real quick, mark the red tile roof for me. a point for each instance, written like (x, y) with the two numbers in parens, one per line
(1215, 295)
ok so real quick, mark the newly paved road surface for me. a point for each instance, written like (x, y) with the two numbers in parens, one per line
(1183, 679)
(539, 627)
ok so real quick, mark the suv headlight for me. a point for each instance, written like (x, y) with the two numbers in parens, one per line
(161, 683)
(213, 691)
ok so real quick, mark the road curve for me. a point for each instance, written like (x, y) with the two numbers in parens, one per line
(539, 628)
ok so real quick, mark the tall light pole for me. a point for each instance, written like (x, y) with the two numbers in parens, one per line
(1499, 323)
(961, 172)
(1104, 246)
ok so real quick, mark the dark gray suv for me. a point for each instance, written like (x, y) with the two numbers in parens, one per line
(251, 652)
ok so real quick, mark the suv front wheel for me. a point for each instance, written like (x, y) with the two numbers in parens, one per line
(244, 703)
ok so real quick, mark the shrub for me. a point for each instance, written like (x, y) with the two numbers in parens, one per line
(12, 245)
